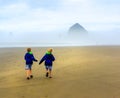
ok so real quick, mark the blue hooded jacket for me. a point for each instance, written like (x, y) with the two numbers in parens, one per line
(48, 58)
(29, 57)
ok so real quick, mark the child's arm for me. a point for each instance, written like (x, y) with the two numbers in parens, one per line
(53, 58)
(33, 58)
(42, 60)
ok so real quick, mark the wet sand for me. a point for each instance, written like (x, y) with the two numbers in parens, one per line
(78, 72)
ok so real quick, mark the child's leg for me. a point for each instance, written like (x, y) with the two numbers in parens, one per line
(28, 73)
(47, 72)
(31, 76)
(50, 71)
(30, 68)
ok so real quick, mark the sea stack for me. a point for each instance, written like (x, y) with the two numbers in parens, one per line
(77, 29)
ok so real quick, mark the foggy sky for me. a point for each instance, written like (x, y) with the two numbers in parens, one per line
(49, 15)
(48, 19)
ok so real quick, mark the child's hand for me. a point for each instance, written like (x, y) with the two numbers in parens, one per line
(36, 60)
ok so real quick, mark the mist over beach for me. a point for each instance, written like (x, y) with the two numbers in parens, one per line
(59, 39)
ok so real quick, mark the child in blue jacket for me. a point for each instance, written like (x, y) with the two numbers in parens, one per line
(48, 58)
(29, 58)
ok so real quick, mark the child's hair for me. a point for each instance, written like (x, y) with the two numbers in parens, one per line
(50, 50)
(28, 49)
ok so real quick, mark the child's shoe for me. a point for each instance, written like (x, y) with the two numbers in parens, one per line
(50, 77)
(31, 76)
(47, 74)
(28, 78)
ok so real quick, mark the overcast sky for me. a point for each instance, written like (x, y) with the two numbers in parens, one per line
(51, 15)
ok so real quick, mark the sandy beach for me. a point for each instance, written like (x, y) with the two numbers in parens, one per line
(78, 72)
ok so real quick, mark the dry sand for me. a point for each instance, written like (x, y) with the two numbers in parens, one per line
(78, 72)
